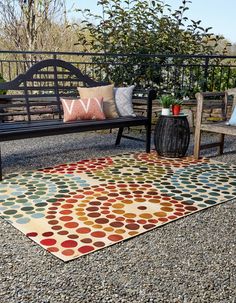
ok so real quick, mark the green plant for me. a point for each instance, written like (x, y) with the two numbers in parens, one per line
(2, 92)
(166, 101)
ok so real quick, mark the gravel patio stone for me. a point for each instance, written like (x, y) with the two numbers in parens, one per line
(190, 260)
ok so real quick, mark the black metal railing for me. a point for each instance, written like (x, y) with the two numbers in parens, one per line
(181, 74)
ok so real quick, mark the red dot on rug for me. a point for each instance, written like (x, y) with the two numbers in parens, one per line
(85, 249)
(48, 242)
(191, 208)
(172, 217)
(83, 230)
(69, 244)
(68, 252)
(66, 218)
(53, 222)
(102, 221)
(71, 224)
(33, 234)
(73, 236)
(163, 219)
(71, 200)
(132, 226)
(153, 221)
(67, 206)
(92, 208)
(49, 217)
(142, 221)
(142, 207)
(95, 203)
(65, 212)
(86, 240)
(48, 234)
(99, 244)
(94, 215)
(56, 227)
(98, 234)
(178, 213)
(148, 226)
(116, 224)
(52, 249)
(115, 238)
(63, 232)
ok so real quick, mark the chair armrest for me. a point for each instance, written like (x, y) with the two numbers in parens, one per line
(206, 97)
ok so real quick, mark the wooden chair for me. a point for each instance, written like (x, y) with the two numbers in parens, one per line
(213, 100)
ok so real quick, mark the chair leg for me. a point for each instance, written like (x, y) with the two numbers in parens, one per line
(221, 147)
(197, 143)
(148, 138)
(119, 135)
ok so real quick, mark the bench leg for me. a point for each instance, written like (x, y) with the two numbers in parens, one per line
(148, 138)
(119, 135)
(197, 143)
(221, 147)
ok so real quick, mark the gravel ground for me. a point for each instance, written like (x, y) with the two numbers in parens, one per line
(190, 260)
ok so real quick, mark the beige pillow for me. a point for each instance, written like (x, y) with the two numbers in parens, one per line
(105, 92)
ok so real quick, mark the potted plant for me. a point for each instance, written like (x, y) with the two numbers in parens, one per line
(176, 106)
(166, 101)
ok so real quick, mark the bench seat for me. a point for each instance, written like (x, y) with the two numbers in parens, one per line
(22, 130)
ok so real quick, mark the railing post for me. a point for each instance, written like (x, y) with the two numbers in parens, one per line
(206, 74)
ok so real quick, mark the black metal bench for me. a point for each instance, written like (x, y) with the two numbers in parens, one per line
(35, 97)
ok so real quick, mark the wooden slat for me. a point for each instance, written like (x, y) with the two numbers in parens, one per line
(32, 103)
(210, 145)
(35, 112)
(39, 80)
(220, 128)
(52, 73)
(45, 88)
(212, 94)
(8, 126)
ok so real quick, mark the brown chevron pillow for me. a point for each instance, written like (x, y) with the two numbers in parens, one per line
(82, 109)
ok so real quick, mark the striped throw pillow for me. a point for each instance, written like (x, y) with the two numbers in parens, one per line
(83, 109)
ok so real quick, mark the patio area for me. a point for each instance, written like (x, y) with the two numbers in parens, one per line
(189, 260)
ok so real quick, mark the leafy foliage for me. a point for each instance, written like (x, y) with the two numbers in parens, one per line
(144, 27)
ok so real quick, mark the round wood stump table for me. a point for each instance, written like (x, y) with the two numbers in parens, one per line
(171, 136)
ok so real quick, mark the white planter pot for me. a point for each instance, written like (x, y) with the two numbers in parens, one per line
(165, 111)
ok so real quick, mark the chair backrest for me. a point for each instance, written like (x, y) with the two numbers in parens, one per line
(232, 92)
(36, 94)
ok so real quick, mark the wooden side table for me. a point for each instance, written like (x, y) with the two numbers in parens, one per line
(171, 136)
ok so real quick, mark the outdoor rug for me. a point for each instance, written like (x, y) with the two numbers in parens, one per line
(74, 209)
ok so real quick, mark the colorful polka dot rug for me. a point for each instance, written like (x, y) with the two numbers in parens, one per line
(77, 208)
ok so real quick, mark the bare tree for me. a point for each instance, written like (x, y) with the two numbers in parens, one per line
(29, 24)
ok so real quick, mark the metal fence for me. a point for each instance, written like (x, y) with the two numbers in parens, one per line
(179, 74)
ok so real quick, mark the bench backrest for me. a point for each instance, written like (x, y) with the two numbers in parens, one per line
(36, 94)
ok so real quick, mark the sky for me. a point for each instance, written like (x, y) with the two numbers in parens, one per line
(218, 14)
